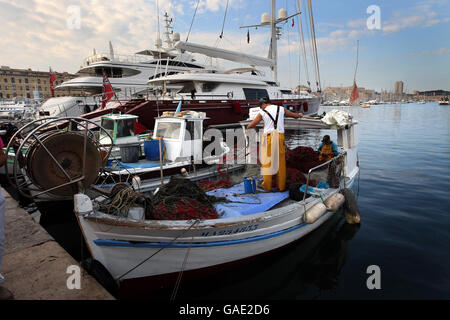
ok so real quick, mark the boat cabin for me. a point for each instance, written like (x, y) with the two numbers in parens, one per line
(120, 127)
(182, 135)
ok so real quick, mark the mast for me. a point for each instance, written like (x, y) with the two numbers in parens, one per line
(273, 39)
(274, 32)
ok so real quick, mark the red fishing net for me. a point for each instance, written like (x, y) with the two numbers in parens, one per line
(302, 158)
(224, 182)
(184, 209)
(182, 199)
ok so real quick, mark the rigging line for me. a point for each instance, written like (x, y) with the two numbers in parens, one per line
(224, 17)
(357, 56)
(313, 39)
(289, 53)
(302, 38)
(192, 22)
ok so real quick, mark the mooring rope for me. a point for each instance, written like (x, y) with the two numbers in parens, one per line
(162, 248)
(180, 274)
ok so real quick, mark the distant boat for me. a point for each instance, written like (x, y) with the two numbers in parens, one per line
(443, 101)
(421, 102)
(365, 105)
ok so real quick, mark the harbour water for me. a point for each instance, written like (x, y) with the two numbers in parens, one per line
(404, 199)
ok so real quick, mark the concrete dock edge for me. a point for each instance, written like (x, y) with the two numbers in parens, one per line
(36, 267)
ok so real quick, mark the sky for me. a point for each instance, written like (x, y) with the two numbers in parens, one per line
(407, 40)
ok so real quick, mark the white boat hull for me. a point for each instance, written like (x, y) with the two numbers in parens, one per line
(156, 248)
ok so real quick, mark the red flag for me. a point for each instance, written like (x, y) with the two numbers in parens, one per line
(292, 22)
(52, 80)
(107, 93)
(248, 36)
(355, 94)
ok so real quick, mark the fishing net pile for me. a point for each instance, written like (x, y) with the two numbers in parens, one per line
(223, 182)
(182, 199)
(302, 158)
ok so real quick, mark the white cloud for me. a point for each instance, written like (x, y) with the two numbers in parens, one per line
(35, 32)
(438, 52)
(421, 15)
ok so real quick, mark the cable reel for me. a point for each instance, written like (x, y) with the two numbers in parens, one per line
(54, 158)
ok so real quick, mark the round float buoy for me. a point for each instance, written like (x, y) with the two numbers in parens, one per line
(351, 207)
(334, 202)
(314, 213)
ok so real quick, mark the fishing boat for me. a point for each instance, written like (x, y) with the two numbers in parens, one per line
(251, 224)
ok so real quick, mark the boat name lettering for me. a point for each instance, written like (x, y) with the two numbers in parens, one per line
(250, 227)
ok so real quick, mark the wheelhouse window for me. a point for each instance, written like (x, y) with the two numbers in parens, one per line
(108, 125)
(125, 128)
(255, 94)
(286, 91)
(168, 130)
(175, 63)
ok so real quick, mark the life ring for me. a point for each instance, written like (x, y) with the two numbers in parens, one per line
(305, 106)
(230, 95)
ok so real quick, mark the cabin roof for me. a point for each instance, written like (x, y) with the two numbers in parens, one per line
(119, 116)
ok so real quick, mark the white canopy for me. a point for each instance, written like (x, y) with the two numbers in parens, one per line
(225, 54)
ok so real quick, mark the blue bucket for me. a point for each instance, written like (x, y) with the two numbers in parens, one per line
(151, 149)
(250, 184)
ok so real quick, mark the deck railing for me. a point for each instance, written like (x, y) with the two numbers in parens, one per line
(341, 155)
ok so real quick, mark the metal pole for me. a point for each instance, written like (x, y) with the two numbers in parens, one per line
(160, 163)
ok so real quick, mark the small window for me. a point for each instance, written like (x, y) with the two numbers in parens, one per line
(5, 80)
(13, 80)
(255, 94)
(26, 80)
(108, 125)
(125, 128)
(168, 130)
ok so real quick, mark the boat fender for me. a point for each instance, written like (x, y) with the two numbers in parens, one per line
(351, 210)
(136, 183)
(334, 202)
(82, 204)
(314, 213)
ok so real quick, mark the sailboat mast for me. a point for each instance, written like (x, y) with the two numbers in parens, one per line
(273, 42)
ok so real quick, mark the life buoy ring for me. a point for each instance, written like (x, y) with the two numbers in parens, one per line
(230, 95)
(305, 106)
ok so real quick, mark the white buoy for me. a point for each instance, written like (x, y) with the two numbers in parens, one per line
(314, 213)
(334, 202)
(136, 182)
(184, 173)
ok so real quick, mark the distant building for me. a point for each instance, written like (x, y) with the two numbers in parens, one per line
(344, 93)
(398, 87)
(21, 83)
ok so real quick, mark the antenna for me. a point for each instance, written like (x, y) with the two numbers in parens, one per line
(275, 32)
